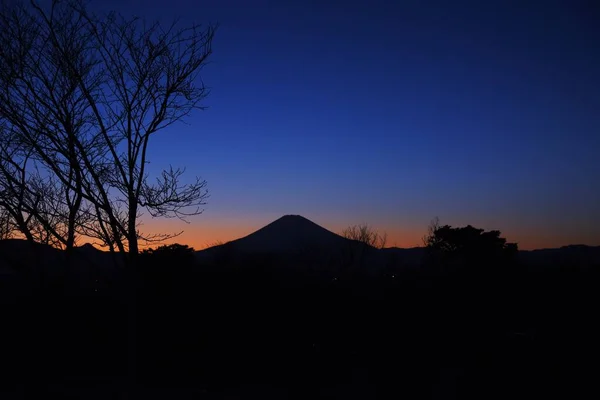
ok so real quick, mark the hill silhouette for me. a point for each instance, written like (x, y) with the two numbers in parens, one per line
(298, 241)
(572, 255)
(288, 236)
(346, 331)
(289, 233)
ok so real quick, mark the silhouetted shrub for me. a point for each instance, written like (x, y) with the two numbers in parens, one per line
(179, 254)
(468, 247)
(165, 268)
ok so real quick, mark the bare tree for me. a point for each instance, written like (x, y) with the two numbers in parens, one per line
(41, 208)
(366, 235)
(430, 239)
(83, 94)
(6, 225)
(15, 197)
(363, 238)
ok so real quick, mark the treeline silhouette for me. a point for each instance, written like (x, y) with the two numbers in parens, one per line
(473, 321)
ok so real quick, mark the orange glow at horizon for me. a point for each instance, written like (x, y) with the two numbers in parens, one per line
(205, 232)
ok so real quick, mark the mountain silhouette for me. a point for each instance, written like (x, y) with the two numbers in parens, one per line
(572, 255)
(18, 257)
(296, 239)
(288, 234)
(88, 247)
(293, 235)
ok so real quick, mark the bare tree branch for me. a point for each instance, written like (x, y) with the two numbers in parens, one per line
(81, 95)
(365, 234)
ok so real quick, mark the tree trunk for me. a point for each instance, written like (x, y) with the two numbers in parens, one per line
(132, 292)
(131, 298)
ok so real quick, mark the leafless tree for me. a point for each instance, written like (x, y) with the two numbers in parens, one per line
(363, 238)
(15, 198)
(83, 94)
(41, 208)
(6, 225)
(430, 239)
(366, 235)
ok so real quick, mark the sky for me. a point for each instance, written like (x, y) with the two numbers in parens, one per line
(391, 113)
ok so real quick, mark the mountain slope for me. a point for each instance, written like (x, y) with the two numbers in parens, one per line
(290, 233)
(573, 255)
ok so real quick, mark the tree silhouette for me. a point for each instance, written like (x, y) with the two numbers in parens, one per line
(6, 228)
(366, 235)
(467, 246)
(362, 239)
(80, 97)
(163, 266)
(172, 254)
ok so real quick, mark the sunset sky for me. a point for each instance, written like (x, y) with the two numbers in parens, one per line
(391, 113)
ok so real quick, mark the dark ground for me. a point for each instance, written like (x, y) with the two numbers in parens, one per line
(261, 332)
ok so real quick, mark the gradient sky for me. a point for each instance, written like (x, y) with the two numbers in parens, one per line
(391, 113)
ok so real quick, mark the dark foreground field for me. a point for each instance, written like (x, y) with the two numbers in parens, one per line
(270, 332)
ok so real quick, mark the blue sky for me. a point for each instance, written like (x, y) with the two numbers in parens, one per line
(392, 113)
